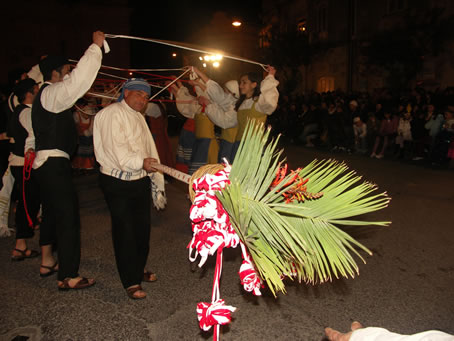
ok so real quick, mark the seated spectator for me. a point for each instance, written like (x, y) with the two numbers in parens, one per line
(434, 122)
(360, 132)
(443, 150)
(335, 127)
(388, 129)
(373, 127)
(310, 125)
(418, 133)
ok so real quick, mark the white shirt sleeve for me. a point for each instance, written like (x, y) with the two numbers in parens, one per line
(381, 334)
(35, 74)
(60, 96)
(187, 105)
(25, 118)
(217, 95)
(153, 110)
(221, 118)
(269, 95)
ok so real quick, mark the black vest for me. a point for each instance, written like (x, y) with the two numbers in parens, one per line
(19, 133)
(53, 130)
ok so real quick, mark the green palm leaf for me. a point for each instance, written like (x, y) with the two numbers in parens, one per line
(299, 240)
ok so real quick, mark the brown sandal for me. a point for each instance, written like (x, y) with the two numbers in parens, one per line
(132, 290)
(81, 284)
(149, 276)
(23, 255)
(51, 270)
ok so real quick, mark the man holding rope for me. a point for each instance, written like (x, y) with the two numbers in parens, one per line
(126, 153)
(56, 140)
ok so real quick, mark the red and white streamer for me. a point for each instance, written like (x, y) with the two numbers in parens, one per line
(248, 274)
(212, 314)
(212, 231)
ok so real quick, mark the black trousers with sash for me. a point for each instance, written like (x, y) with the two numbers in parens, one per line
(61, 220)
(129, 203)
(32, 201)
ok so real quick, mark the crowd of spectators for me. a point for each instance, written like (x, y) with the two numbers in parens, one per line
(415, 125)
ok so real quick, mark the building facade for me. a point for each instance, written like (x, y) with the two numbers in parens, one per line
(344, 39)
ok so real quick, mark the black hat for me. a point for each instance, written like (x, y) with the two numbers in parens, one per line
(24, 86)
(50, 63)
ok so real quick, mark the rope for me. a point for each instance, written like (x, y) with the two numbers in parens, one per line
(130, 70)
(171, 83)
(175, 44)
(26, 173)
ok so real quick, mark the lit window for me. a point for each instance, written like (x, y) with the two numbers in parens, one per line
(301, 26)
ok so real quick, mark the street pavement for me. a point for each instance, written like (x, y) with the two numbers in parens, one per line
(406, 286)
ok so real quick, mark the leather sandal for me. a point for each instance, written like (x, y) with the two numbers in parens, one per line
(81, 284)
(52, 269)
(23, 255)
(149, 276)
(132, 290)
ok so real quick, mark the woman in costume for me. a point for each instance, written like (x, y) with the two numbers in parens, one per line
(221, 111)
(156, 118)
(85, 155)
(206, 148)
(258, 99)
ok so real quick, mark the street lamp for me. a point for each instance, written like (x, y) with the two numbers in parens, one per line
(236, 23)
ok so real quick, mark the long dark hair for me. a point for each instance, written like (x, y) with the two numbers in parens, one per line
(254, 77)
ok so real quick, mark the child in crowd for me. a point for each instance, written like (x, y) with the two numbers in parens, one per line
(360, 132)
(84, 115)
(403, 138)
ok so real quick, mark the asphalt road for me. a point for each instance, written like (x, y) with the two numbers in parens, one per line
(406, 286)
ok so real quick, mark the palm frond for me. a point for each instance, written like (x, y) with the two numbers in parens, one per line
(299, 240)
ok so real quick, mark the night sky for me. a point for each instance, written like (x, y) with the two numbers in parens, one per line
(177, 21)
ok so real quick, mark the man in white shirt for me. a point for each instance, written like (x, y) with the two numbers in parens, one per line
(56, 140)
(126, 152)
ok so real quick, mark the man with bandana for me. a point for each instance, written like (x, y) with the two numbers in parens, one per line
(56, 140)
(126, 152)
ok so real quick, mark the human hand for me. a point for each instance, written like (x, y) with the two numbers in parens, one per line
(173, 89)
(334, 335)
(29, 152)
(98, 38)
(270, 70)
(200, 74)
(148, 164)
(203, 101)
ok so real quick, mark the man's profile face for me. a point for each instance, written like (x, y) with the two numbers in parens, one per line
(59, 76)
(136, 99)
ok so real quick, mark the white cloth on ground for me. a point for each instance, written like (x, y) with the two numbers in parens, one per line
(381, 334)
